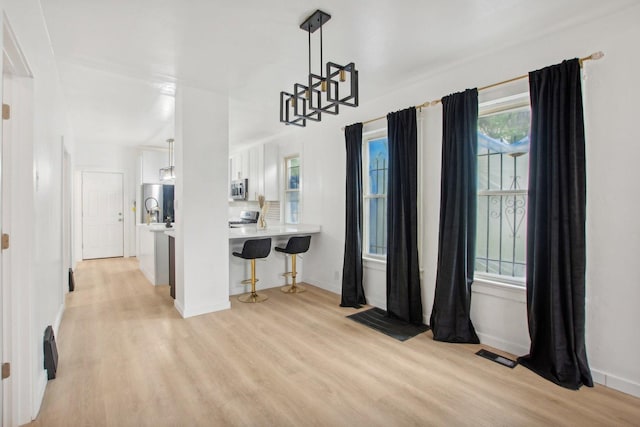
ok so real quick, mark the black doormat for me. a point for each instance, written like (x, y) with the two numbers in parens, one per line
(376, 318)
(497, 358)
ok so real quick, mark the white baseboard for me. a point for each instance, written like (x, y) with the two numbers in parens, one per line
(178, 307)
(616, 383)
(331, 287)
(202, 309)
(38, 395)
(599, 377)
(58, 320)
(504, 345)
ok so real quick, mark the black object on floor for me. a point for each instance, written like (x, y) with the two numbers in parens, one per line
(50, 353)
(72, 282)
(376, 318)
(497, 358)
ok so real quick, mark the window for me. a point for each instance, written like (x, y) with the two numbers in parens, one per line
(375, 168)
(292, 190)
(503, 173)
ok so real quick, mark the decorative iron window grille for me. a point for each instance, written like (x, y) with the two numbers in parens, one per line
(503, 167)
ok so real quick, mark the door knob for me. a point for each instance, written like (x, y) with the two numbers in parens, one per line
(119, 219)
(120, 213)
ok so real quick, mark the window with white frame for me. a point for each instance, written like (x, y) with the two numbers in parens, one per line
(375, 168)
(292, 190)
(503, 173)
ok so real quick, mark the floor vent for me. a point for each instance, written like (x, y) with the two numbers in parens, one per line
(72, 282)
(50, 353)
(497, 358)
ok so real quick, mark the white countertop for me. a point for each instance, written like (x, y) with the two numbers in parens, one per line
(247, 232)
(155, 227)
(251, 232)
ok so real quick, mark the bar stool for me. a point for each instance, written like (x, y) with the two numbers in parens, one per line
(252, 250)
(295, 245)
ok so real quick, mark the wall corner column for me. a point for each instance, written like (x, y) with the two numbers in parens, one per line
(201, 202)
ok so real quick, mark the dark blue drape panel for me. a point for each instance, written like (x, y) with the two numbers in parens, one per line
(556, 228)
(450, 320)
(352, 289)
(404, 299)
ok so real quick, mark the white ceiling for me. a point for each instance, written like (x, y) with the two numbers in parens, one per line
(120, 60)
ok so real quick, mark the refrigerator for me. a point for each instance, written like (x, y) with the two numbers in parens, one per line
(157, 202)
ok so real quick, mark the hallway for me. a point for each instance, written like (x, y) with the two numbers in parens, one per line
(128, 359)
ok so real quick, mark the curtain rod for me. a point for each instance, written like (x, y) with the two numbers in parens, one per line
(594, 56)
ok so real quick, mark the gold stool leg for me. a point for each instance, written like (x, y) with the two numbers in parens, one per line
(293, 288)
(252, 296)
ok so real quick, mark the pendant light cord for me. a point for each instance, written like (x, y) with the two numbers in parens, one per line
(309, 32)
(321, 62)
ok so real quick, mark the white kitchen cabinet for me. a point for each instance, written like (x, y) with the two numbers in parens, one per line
(256, 172)
(270, 172)
(258, 164)
(244, 164)
(150, 164)
(153, 253)
(235, 167)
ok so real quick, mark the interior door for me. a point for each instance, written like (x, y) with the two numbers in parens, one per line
(102, 215)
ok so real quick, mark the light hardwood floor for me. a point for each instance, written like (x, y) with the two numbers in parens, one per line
(128, 359)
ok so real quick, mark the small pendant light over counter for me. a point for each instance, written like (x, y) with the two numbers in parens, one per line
(169, 173)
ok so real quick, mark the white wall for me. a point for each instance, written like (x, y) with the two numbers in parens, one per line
(41, 188)
(613, 233)
(201, 202)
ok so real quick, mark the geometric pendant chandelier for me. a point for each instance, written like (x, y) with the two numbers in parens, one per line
(334, 85)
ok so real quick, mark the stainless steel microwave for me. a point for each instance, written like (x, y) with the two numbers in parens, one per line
(238, 190)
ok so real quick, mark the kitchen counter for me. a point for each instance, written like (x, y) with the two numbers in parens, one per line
(154, 226)
(269, 270)
(251, 232)
(153, 252)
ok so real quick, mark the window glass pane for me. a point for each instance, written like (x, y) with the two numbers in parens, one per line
(378, 166)
(291, 207)
(483, 172)
(503, 165)
(482, 230)
(493, 225)
(504, 139)
(495, 171)
(293, 173)
(378, 226)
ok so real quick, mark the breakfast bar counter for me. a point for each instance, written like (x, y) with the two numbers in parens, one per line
(268, 270)
(252, 232)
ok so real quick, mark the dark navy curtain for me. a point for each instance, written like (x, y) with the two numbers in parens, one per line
(404, 300)
(450, 317)
(556, 228)
(352, 289)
